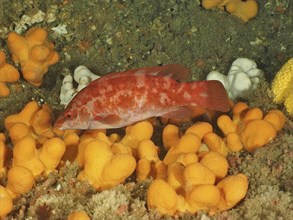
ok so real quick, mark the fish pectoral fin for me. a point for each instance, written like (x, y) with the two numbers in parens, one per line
(109, 119)
(182, 112)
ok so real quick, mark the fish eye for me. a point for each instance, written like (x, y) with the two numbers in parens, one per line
(68, 115)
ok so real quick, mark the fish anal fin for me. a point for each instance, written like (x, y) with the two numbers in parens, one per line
(109, 119)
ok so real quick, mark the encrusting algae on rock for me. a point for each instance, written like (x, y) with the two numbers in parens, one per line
(191, 177)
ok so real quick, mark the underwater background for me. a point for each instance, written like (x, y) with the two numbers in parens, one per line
(110, 36)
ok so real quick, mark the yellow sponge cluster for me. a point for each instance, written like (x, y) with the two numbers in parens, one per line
(191, 177)
(245, 10)
(282, 86)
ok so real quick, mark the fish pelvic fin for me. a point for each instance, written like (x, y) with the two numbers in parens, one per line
(211, 94)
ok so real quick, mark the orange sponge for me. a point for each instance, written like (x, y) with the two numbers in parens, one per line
(19, 180)
(5, 155)
(5, 201)
(78, 215)
(23, 116)
(25, 154)
(8, 73)
(242, 9)
(34, 53)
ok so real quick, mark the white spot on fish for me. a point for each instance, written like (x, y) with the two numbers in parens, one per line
(193, 85)
(186, 95)
(204, 94)
(140, 81)
(109, 88)
(166, 83)
(181, 87)
(140, 100)
(164, 98)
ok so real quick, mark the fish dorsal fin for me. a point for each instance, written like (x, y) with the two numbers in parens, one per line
(175, 71)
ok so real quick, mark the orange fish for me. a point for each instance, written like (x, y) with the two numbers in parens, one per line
(120, 99)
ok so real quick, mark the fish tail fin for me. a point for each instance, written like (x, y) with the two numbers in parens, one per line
(211, 94)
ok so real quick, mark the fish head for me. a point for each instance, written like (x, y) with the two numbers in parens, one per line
(73, 118)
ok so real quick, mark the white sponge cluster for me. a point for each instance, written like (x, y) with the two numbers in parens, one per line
(243, 77)
(82, 76)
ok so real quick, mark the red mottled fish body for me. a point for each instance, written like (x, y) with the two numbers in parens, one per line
(123, 98)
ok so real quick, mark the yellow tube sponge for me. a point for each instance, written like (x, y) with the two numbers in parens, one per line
(78, 215)
(209, 4)
(257, 133)
(282, 86)
(118, 168)
(215, 143)
(6, 202)
(136, 133)
(187, 158)
(196, 173)
(8, 73)
(34, 53)
(233, 189)
(41, 122)
(102, 168)
(188, 143)
(217, 163)
(51, 153)
(276, 118)
(162, 197)
(200, 129)
(18, 131)
(170, 136)
(243, 9)
(23, 116)
(25, 154)
(5, 156)
(149, 163)
(203, 197)
(71, 140)
(175, 176)
(19, 180)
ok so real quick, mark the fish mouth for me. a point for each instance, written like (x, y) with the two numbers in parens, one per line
(59, 124)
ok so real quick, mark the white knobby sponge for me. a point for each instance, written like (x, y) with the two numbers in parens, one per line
(67, 91)
(242, 78)
(83, 76)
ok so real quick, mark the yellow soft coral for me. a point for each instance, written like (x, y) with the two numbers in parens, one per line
(242, 9)
(282, 86)
(102, 168)
(135, 134)
(149, 163)
(19, 180)
(250, 128)
(34, 53)
(8, 73)
(5, 201)
(5, 155)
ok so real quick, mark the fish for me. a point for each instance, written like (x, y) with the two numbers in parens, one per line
(120, 99)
